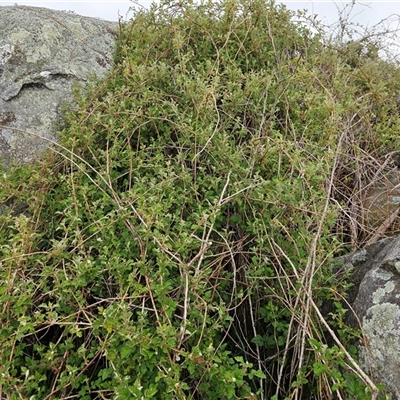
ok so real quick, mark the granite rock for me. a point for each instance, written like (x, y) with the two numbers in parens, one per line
(43, 54)
(375, 300)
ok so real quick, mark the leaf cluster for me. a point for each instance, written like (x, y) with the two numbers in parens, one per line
(178, 239)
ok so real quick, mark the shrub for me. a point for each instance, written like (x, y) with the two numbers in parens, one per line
(177, 241)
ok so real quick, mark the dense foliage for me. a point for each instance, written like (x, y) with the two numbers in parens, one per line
(177, 243)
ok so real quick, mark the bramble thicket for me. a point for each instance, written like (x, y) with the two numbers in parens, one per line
(178, 240)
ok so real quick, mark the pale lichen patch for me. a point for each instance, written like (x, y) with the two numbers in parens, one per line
(382, 291)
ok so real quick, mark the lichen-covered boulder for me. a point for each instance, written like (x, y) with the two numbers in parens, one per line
(43, 53)
(376, 307)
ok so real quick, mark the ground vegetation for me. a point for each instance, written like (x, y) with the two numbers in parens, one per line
(177, 242)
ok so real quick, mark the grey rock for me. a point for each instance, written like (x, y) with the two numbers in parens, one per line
(376, 308)
(43, 54)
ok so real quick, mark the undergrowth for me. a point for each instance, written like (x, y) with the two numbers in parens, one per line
(178, 241)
